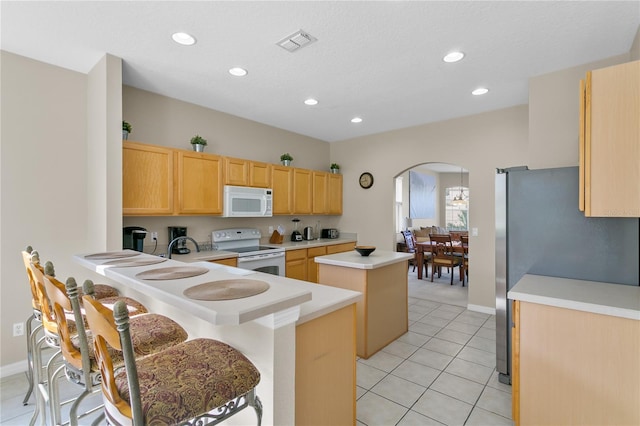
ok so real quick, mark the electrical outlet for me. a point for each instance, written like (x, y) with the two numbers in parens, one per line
(270, 230)
(18, 329)
(154, 236)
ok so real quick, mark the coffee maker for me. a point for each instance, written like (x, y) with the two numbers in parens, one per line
(133, 237)
(181, 246)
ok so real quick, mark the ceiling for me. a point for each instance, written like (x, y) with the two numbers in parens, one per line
(381, 61)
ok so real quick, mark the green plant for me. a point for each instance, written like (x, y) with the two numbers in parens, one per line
(126, 126)
(198, 140)
(335, 166)
(286, 156)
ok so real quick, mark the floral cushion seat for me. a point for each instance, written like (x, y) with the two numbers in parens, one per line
(133, 306)
(189, 379)
(150, 333)
(102, 290)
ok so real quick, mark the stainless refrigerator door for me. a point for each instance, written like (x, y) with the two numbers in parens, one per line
(502, 323)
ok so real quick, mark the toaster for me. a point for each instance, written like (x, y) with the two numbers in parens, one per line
(330, 233)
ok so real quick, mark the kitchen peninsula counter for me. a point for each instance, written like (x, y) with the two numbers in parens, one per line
(382, 314)
(575, 352)
(266, 327)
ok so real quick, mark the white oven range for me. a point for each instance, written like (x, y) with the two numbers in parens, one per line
(251, 255)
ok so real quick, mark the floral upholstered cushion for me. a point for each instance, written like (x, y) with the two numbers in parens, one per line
(189, 379)
(101, 291)
(150, 333)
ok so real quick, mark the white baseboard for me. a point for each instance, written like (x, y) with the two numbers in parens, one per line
(480, 308)
(11, 369)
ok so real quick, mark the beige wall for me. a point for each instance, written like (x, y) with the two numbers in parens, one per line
(44, 185)
(634, 53)
(479, 143)
(553, 115)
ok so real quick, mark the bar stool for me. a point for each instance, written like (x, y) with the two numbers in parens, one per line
(102, 290)
(151, 333)
(196, 382)
(41, 374)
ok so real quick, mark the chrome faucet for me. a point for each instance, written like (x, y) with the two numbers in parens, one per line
(175, 240)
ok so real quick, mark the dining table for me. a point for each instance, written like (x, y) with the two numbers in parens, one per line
(425, 247)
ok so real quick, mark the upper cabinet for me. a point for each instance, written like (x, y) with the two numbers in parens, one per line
(147, 180)
(198, 178)
(610, 142)
(161, 181)
(282, 185)
(242, 172)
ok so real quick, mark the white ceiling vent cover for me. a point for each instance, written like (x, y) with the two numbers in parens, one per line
(296, 41)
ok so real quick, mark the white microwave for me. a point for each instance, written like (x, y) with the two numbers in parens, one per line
(243, 201)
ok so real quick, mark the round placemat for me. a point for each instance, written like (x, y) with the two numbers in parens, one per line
(172, 273)
(226, 289)
(112, 255)
(124, 263)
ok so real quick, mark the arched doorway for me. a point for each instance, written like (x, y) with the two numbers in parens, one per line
(433, 198)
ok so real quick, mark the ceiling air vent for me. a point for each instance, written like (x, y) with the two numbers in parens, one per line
(296, 41)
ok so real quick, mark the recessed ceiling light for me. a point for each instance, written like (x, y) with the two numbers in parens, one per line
(311, 102)
(356, 120)
(480, 91)
(453, 57)
(238, 72)
(183, 38)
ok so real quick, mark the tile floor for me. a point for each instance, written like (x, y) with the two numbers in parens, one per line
(441, 372)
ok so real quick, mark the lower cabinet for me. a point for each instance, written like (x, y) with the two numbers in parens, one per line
(301, 264)
(574, 367)
(231, 261)
(326, 369)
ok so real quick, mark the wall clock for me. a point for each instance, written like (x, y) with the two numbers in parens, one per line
(366, 180)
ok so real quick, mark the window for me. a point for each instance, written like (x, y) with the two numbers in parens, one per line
(457, 214)
(398, 205)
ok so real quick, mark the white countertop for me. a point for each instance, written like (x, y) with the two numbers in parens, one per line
(589, 296)
(352, 259)
(293, 245)
(205, 255)
(314, 300)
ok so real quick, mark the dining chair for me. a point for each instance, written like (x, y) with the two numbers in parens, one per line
(464, 240)
(200, 381)
(442, 254)
(410, 243)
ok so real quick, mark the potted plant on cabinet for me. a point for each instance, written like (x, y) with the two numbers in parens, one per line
(126, 129)
(286, 159)
(198, 143)
(335, 168)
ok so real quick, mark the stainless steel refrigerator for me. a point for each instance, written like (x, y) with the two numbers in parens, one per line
(539, 230)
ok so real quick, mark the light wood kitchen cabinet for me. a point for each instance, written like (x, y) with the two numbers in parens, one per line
(320, 192)
(230, 261)
(282, 185)
(609, 152)
(302, 187)
(240, 172)
(312, 266)
(198, 178)
(326, 369)
(574, 367)
(147, 180)
(236, 171)
(334, 193)
(296, 264)
(259, 174)
(339, 248)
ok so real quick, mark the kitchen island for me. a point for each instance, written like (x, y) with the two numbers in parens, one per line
(382, 314)
(265, 327)
(575, 352)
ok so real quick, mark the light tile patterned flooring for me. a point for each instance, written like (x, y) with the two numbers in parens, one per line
(441, 372)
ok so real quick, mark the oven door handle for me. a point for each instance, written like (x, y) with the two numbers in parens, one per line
(260, 257)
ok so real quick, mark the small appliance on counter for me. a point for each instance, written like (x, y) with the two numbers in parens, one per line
(331, 233)
(133, 237)
(308, 234)
(296, 235)
(181, 246)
